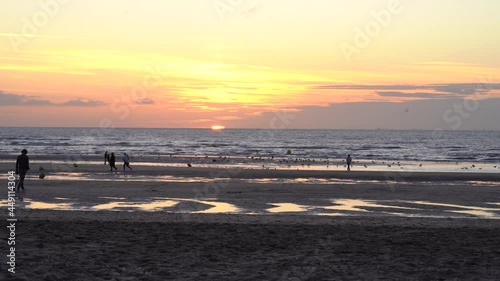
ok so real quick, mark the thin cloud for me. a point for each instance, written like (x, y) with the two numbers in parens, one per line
(37, 102)
(466, 89)
(422, 114)
(414, 95)
(368, 87)
(144, 101)
(8, 99)
(82, 103)
(454, 88)
(11, 99)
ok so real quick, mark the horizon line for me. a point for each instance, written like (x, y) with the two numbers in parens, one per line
(235, 128)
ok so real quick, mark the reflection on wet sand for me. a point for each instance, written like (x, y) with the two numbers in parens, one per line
(161, 203)
(113, 198)
(360, 205)
(149, 206)
(329, 181)
(218, 207)
(340, 207)
(287, 207)
(48, 206)
(468, 210)
(333, 214)
(477, 213)
(408, 215)
(80, 176)
(374, 207)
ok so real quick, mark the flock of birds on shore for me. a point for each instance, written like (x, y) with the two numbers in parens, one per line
(303, 162)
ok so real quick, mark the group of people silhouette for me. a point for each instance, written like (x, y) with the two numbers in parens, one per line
(22, 165)
(111, 159)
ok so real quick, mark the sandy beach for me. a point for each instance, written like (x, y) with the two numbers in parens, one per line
(181, 223)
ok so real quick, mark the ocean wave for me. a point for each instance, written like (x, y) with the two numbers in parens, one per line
(463, 158)
(375, 148)
(454, 147)
(333, 144)
(217, 145)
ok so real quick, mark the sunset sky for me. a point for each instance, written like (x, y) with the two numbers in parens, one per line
(360, 64)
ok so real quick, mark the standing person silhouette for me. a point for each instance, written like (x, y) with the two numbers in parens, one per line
(349, 161)
(22, 167)
(126, 161)
(106, 157)
(112, 161)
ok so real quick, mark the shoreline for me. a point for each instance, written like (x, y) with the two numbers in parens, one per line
(99, 171)
(178, 167)
(284, 162)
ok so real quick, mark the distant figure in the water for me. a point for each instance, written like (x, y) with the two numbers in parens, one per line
(349, 161)
(126, 161)
(22, 167)
(112, 161)
(106, 157)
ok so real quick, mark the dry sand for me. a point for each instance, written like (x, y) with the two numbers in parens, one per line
(168, 245)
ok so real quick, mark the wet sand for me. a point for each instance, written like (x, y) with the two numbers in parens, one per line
(331, 241)
(55, 245)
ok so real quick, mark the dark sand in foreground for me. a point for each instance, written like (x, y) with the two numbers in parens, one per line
(83, 247)
(111, 245)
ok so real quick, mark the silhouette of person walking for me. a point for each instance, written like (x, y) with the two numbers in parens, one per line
(106, 157)
(126, 161)
(349, 161)
(112, 161)
(22, 167)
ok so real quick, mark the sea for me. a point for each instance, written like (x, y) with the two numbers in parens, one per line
(447, 146)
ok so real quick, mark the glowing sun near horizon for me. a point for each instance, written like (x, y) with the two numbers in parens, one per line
(218, 127)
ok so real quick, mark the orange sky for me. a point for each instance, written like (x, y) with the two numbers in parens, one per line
(198, 63)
